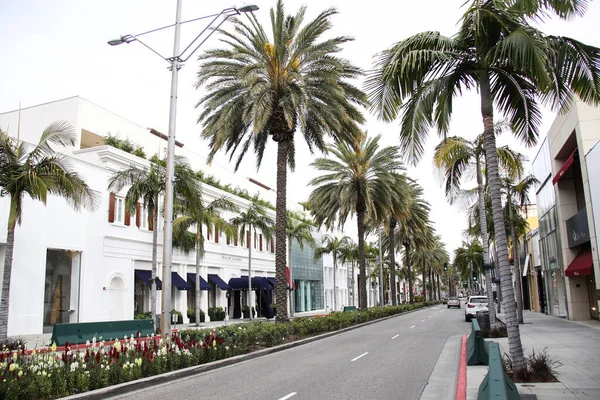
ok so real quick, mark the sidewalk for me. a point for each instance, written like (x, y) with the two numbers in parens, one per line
(575, 344)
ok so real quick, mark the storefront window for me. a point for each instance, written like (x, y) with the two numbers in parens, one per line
(61, 292)
(553, 271)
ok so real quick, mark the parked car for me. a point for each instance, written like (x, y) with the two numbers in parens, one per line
(453, 302)
(474, 304)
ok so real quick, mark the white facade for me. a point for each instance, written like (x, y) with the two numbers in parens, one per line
(100, 257)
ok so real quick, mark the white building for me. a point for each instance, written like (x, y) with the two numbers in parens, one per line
(87, 266)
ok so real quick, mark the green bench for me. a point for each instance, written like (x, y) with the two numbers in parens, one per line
(496, 384)
(79, 333)
(477, 347)
(349, 308)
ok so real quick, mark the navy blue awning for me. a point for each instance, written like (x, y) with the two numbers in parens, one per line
(272, 281)
(203, 284)
(258, 283)
(179, 282)
(146, 277)
(216, 279)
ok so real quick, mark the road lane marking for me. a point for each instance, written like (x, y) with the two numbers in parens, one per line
(430, 316)
(288, 396)
(424, 320)
(395, 337)
(362, 355)
(412, 326)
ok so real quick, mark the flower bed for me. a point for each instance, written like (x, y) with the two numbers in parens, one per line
(46, 373)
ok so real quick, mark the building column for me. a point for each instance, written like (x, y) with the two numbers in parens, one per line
(302, 297)
(308, 298)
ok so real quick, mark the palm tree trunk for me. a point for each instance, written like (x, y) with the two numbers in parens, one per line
(393, 261)
(410, 282)
(334, 291)
(352, 281)
(438, 287)
(423, 272)
(485, 246)
(280, 230)
(197, 302)
(516, 264)
(8, 260)
(362, 287)
(512, 325)
(291, 288)
(250, 277)
(154, 262)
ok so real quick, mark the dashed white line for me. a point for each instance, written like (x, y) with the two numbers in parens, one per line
(395, 337)
(356, 358)
(430, 316)
(288, 396)
(412, 326)
(424, 320)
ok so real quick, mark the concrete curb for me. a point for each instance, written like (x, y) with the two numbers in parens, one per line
(144, 383)
(461, 384)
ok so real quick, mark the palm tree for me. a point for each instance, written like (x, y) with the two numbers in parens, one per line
(334, 246)
(455, 157)
(518, 191)
(359, 180)
(195, 212)
(260, 88)
(300, 230)
(248, 224)
(512, 65)
(148, 185)
(412, 229)
(349, 253)
(36, 171)
(467, 260)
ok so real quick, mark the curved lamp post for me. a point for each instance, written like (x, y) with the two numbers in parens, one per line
(175, 63)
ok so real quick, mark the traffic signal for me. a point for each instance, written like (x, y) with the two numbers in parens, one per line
(445, 266)
(474, 277)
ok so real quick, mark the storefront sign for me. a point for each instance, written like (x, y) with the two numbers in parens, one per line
(578, 231)
(231, 258)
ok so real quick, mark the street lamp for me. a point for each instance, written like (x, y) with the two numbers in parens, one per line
(175, 63)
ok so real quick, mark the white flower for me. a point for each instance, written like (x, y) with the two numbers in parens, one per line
(87, 342)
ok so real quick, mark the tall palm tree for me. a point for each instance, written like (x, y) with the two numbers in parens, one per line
(149, 185)
(300, 230)
(349, 253)
(334, 246)
(455, 157)
(518, 191)
(194, 212)
(358, 179)
(412, 229)
(36, 171)
(261, 87)
(468, 259)
(512, 65)
(248, 224)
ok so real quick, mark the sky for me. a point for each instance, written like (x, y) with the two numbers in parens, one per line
(58, 49)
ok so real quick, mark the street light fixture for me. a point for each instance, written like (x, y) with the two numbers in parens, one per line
(176, 62)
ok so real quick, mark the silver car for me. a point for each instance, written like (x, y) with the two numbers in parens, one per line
(474, 304)
(453, 302)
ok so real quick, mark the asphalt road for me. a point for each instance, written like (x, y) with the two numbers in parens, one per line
(392, 359)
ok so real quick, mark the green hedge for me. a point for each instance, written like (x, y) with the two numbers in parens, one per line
(49, 375)
(256, 335)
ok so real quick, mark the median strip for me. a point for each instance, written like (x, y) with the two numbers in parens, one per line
(356, 358)
(288, 396)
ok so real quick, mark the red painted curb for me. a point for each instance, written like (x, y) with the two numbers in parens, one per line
(461, 384)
